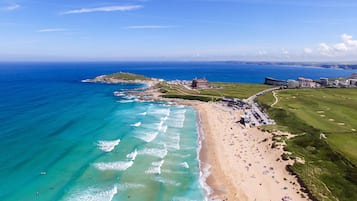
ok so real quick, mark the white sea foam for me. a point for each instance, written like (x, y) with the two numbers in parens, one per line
(143, 113)
(173, 142)
(108, 146)
(119, 165)
(166, 181)
(181, 155)
(185, 165)
(119, 93)
(125, 101)
(132, 155)
(159, 125)
(160, 153)
(94, 194)
(148, 136)
(131, 97)
(126, 186)
(177, 119)
(163, 111)
(172, 171)
(164, 118)
(145, 101)
(164, 129)
(180, 111)
(188, 148)
(204, 173)
(137, 124)
(181, 199)
(155, 168)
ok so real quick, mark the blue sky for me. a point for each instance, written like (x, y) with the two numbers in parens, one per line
(257, 30)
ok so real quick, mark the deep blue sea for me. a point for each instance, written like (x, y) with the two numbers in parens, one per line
(61, 139)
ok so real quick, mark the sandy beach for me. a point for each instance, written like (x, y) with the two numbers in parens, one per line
(243, 164)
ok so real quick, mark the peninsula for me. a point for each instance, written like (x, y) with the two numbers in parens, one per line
(123, 77)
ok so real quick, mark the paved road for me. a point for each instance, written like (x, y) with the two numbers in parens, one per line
(276, 99)
(257, 116)
(250, 100)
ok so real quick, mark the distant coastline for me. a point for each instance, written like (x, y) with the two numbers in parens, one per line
(333, 65)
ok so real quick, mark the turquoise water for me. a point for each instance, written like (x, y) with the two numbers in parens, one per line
(77, 141)
(61, 139)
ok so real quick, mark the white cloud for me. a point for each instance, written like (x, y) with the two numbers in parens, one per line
(11, 7)
(285, 52)
(346, 47)
(149, 27)
(307, 51)
(262, 52)
(51, 30)
(103, 9)
(347, 39)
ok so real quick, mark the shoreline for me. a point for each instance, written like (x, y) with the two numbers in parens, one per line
(203, 166)
(236, 163)
(232, 175)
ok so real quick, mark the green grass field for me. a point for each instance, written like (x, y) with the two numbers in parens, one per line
(234, 90)
(127, 76)
(218, 91)
(330, 170)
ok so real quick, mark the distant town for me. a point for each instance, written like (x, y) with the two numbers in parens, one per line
(253, 114)
(309, 83)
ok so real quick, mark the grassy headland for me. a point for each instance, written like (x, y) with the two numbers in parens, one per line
(329, 171)
(127, 76)
(217, 91)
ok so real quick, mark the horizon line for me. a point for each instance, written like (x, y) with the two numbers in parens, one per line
(182, 60)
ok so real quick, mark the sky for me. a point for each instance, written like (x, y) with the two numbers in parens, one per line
(145, 30)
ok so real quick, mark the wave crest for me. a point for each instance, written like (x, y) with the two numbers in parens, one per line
(119, 165)
(108, 146)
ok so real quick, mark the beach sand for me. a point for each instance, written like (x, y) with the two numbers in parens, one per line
(243, 164)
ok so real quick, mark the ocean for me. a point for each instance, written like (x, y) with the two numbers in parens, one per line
(61, 139)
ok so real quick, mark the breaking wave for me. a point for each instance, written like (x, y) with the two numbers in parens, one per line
(143, 113)
(132, 155)
(160, 153)
(108, 146)
(136, 124)
(94, 194)
(119, 165)
(148, 136)
(155, 168)
(185, 165)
